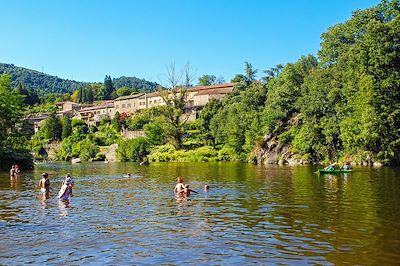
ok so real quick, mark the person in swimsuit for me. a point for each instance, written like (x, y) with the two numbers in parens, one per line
(44, 183)
(206, 188)
(180, 187)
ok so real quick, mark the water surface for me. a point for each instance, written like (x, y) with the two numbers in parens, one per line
(251, 214)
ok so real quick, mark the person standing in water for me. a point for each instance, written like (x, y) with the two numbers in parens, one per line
(180, 187)
(66, 189)
(44, 183)
(13, 173)
(17, 169)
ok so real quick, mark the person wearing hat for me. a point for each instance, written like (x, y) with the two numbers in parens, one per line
(68, 179)
(66, 189)
(44, 183)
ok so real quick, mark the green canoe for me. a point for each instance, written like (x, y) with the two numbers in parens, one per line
(322, 171)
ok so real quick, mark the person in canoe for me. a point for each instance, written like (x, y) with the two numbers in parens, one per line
(347, 166)
(330, 167)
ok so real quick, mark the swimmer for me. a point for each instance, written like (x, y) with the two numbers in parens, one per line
(187, 191)
(44, 183)
(206, 187)
(180, 187)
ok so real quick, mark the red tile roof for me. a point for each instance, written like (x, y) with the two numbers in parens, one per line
(96, 107)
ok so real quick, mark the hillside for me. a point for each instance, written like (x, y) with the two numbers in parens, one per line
(44, 83)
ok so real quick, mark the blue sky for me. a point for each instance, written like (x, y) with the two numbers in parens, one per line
(86, 40)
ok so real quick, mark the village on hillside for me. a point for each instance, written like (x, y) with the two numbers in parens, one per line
(196, 98)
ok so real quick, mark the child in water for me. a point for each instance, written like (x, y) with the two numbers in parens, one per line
(187, 191)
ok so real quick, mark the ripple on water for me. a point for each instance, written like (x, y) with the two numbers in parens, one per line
(250, 215)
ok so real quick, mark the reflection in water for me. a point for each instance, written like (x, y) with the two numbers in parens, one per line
(43, 197)
(252, 214)
(63, 206)
(15, 182)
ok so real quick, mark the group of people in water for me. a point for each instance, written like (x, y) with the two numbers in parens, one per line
(183, 190)
(14, 171)
(180, 190)
(65, 191)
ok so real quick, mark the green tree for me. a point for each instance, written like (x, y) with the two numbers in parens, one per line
(175, 101)
(123, 91)
(207, 113)
(115, 122)
(106, 89)
(207, 80)
(89, 94)
(154, 134)
(12, 140)
(52, 128)
(66, 127)
(133, 150)
(250, 73)
(31, 97)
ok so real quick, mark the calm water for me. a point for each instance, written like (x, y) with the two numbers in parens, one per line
(251, 214)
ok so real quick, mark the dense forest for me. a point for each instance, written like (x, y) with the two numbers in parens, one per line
(341, 105)
(43, 83)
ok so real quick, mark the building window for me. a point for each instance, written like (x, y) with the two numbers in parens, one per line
(117, 106)
(150, 102)
(123, 106)
(128, 105)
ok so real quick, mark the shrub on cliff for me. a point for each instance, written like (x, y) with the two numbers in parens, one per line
(133, 150)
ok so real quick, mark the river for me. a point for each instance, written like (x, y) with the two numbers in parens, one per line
(251, 214)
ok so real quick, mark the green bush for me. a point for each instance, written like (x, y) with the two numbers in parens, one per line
(227, 153)
(163, 153)
(106, 135)
(133, 150)
(84, 149)
(154, 134)
(167, 153)
(137, 121)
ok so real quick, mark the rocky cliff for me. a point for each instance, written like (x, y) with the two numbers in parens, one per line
(270, 151)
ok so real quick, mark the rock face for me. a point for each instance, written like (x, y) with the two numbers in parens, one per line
(111, 153)
(272, 152)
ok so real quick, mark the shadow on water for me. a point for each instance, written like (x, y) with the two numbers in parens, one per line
(251, 214)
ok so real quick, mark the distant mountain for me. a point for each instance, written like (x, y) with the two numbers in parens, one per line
(43, 83)
(131, 82)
